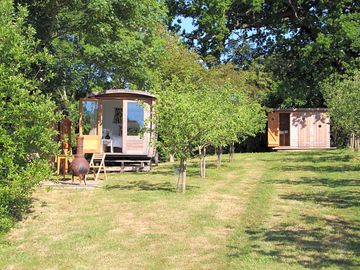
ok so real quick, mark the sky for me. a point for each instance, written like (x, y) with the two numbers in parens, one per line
(186, 24)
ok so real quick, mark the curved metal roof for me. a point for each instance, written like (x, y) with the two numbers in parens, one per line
(123, 93)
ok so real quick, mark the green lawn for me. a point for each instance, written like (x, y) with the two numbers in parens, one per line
(263, 211)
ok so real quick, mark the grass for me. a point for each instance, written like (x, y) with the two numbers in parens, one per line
(295, 210)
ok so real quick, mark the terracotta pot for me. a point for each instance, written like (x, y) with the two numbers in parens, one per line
(79, 166)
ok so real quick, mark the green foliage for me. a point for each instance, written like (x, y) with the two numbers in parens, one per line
(192, 116)
(26, 116)
(210, 31)
(254, 82)
(198, 107)
(97, 45)
(179, 61)
(342, 96)
(301, 42)
(237, 117)
(183, 116)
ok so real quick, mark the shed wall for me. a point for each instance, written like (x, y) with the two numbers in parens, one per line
(310, 130)
(328, 134)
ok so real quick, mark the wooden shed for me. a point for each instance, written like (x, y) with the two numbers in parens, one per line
(302, 128)
(112, 121)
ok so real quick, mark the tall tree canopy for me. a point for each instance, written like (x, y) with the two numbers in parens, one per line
(301, 41)
(98, 44)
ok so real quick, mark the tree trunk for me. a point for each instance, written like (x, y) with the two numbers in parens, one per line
(354, 143)
(179, 182)
(156, 158)
(201, 161)
(182, 175)
(351, 143)
(202, 155)
(231, 150)
(204, 162)
(171, 158)
(219, 156)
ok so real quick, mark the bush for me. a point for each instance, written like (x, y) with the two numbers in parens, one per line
(26, 116)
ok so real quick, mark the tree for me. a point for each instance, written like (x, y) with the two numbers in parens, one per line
(239, 90)
(179, 61)
(342, 96)
(26, 116)
(241, 117)
(302, 42)
(254, 82)
(98, 44)
(230, 94)
(184, 117)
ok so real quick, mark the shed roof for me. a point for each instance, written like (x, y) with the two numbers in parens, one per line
(123, 93)
(301, 110)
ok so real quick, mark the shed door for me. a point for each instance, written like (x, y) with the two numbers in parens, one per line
(284, 129)
(306, 132)
(273, 129)
(90, 124)
(320, 130)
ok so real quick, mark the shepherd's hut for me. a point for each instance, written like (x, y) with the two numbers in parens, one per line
(112, 122)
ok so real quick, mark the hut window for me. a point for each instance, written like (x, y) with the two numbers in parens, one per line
(90, 111)
(319, 126)
(135, 118)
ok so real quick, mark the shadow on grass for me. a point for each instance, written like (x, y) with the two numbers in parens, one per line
(193, 169)
(315, 168)
(338, 199)
(310, 156)
(172, 171)
(17, 211)
(322, 157)
(315, 242)
(143, 185)
(324, 182)
(324, 242)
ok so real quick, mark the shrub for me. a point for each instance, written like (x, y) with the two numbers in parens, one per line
(26, 116)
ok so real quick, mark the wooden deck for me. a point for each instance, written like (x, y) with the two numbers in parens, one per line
(119, 162)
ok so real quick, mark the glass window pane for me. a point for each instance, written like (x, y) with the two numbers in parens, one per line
(135, 118)
(90, 117)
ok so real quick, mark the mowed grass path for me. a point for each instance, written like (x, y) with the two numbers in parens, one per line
(296, 210)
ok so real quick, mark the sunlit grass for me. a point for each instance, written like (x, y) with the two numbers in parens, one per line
(264, 211)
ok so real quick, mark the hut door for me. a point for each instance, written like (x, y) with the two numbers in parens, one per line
(90, 125)
(133, 123)
(273, 129)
